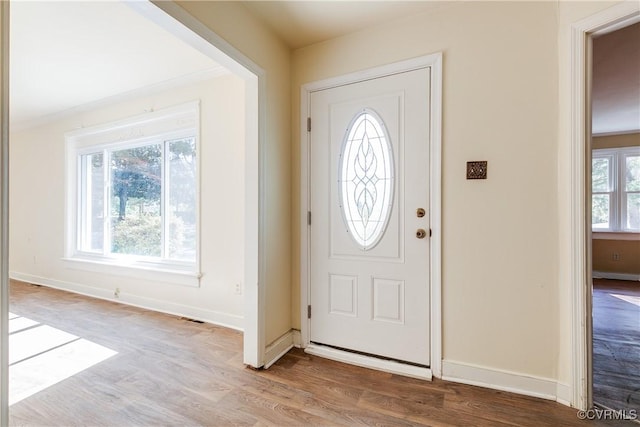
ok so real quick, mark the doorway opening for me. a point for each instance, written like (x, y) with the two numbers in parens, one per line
(582, 35)
(187, 29)
(615, 218)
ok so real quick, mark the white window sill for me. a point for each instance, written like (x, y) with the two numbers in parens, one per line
(136, 271)
(615, 235)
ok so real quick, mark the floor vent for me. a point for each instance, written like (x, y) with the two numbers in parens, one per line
(188, 319)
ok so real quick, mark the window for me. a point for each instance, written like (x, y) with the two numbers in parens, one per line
(133, 186)
(615, 187)
(366, 179)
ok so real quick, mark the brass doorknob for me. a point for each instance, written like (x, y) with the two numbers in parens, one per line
(421, 233)
(420, 212)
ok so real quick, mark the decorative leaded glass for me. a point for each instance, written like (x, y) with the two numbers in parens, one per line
(366, 178)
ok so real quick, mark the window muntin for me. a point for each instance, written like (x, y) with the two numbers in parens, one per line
(602, 173)
(136, 192)
(631, 219)
(93, 202)
(182, 229)
(616, 189)
(366, 179)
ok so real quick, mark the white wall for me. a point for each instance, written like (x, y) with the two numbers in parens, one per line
(38, 206)
(500, 245)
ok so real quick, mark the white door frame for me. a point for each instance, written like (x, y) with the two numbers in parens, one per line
(434, 61)
(610, 19)
(4, 216)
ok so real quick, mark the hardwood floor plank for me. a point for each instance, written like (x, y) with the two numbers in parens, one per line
(269, 411)
(172, 372)
(325, 398)
(616, 344)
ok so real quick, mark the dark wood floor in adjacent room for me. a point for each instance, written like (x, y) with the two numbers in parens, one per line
(172, 372)
(616, 344)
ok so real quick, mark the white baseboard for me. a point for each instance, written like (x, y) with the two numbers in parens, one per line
(277, 349)
(563, 394)
(506, 381)
(615, 276)
(209, 316)
(297, 338)
(370, 362)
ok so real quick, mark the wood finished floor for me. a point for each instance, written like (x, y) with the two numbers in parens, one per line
(172, 372)
(616, 344)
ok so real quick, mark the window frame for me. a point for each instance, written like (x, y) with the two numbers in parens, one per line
(161, 127)
(618, 193)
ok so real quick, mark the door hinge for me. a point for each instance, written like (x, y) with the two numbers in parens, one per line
(308, 124)
(308, 217)
(309, 312)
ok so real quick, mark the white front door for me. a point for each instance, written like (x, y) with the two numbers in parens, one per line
(369, 198)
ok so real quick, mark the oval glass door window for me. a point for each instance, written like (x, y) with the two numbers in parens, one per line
(366, 179)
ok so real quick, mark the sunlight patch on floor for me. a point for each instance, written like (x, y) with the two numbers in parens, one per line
(19, 323)
(628, 298)
(31, 342)
(41, 356)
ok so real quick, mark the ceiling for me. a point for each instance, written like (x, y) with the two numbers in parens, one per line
(70, 54)
(302, 23)
(616, 81)
(66, 55)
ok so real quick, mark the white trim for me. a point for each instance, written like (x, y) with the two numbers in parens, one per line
(181, 116)
(255, 225)
(619, 14)
(297, 338)
(370, 362)
(434, 61)
(209, 316)
(498, 379)
(578, 221)
(435, 194)
(563, 394)
(155, 273)
(372, 73)
(4, 213)
(616, 276)
(198, 35)
(613, 19)
(305, 206)
(277, 349)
